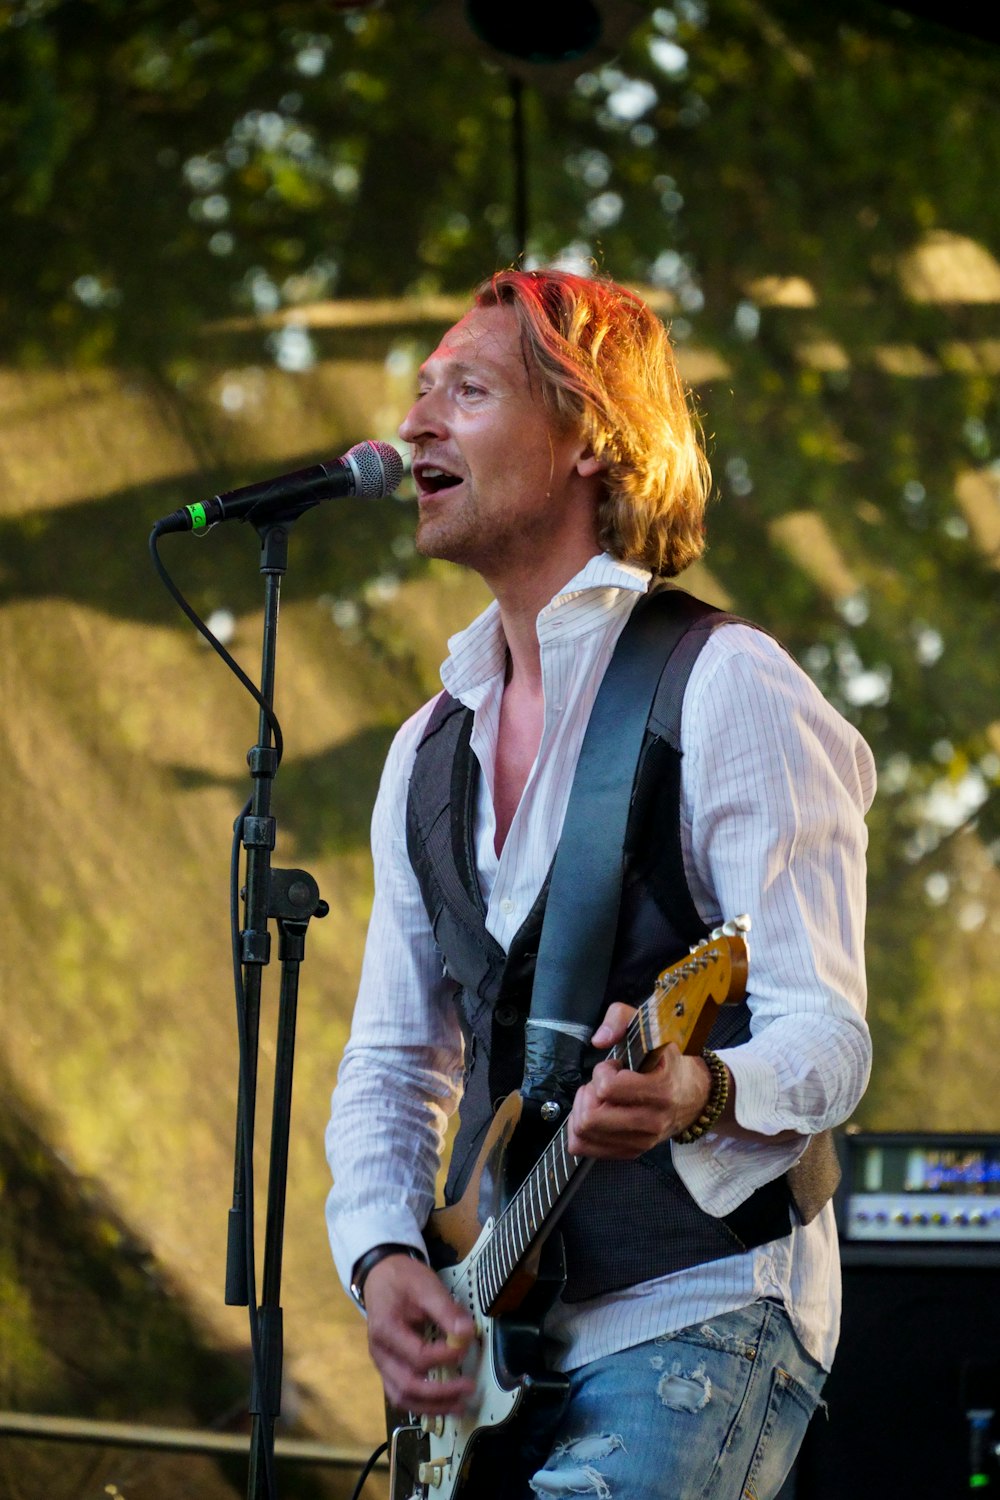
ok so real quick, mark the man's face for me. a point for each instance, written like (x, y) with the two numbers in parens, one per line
(494, 476)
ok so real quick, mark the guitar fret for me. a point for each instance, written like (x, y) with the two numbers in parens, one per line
(552, 1177)
(518, 1231)
(547, 1179)
(484, 1274)
(528, 1207)
(509, 1259)
(505, 1264)
(520, 1226)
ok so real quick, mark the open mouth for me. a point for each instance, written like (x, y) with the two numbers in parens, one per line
(431, 480)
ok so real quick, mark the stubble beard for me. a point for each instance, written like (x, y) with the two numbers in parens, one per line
(491, 549)
(453, 535)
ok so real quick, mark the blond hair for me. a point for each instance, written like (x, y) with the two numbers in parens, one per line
(607, 369)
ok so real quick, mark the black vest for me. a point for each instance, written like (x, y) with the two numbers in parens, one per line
(629, 1221)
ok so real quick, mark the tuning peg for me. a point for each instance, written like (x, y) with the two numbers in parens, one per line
(735, 926)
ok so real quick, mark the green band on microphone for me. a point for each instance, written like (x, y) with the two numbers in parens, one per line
(197, 514)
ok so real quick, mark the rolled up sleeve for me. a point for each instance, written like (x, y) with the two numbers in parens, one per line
(775, 787)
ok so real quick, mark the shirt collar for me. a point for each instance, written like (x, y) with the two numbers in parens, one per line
(479, 652)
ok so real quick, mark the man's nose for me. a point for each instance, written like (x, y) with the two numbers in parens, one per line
(424, 419)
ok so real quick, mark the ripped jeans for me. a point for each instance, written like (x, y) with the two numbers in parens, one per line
(712, 1412)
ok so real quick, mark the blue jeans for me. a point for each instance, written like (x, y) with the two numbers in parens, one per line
(713, 1412)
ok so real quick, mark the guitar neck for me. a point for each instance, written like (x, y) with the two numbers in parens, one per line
(681, 1009)
(529, 1216)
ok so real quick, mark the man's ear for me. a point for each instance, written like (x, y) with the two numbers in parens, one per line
(589, 464)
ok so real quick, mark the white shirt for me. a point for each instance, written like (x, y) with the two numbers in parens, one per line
(774, 787)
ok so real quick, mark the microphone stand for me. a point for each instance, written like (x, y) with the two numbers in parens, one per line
(291, 898)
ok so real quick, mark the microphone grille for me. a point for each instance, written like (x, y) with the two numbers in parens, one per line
(378, 468)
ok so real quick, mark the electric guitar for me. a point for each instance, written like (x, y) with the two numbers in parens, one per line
(487, 1248)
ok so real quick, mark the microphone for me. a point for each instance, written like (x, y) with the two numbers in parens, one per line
(368, 471)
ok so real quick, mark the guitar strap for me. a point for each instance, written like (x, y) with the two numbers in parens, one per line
(650, 665)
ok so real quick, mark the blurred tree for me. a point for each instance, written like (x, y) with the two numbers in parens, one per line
(812, 191)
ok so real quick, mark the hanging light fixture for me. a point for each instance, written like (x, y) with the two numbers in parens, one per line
(533, 31)
(547, 43)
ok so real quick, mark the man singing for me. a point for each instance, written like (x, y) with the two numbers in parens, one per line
(554, 452)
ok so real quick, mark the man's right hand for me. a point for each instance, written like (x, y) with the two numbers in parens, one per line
(418, 1336)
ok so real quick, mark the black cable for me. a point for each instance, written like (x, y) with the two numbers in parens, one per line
(356, 1492)
(216, 644)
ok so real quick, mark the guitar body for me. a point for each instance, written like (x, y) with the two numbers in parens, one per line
(439, 1456)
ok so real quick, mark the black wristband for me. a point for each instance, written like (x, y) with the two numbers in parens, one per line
(371, 1259)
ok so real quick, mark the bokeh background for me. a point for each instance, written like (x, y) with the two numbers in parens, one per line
(230, 233)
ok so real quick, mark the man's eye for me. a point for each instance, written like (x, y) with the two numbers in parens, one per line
(469, 388)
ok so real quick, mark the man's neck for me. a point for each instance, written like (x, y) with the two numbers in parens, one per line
(521, 601)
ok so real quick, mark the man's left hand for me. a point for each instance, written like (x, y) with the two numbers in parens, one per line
(622, 1114)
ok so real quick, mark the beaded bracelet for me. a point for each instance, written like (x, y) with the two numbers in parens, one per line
(718, 1097)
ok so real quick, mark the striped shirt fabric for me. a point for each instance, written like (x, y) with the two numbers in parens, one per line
(775, 785)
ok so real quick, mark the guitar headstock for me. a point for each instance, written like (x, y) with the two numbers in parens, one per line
(687, 995)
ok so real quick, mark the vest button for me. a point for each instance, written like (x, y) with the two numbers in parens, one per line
(506, 1015)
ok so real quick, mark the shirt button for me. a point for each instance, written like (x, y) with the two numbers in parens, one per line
(506, 1015)
(506, 906)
